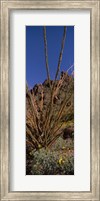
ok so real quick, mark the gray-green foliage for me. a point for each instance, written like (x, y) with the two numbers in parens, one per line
(59, 144)
(46, 162)
(63, 144)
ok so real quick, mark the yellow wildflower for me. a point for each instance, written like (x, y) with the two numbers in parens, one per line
(60, 160)
(39, 146)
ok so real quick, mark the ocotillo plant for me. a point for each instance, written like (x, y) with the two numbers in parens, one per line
(43, 128)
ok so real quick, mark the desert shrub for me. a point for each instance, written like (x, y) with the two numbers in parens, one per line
(63, 144)
(46, 162)
(59, 144)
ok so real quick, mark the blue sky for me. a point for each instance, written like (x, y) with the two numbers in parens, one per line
(35, 57)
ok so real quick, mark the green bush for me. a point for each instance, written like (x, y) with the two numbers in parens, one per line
(46, 162)
(59, 144)
(63, 144)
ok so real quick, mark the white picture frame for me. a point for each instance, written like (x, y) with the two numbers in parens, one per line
(6, 8)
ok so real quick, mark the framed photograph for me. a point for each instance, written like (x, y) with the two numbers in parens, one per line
(50, 102)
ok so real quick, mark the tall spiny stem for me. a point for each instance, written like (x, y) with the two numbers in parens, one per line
(61, 52)
(46, 54)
